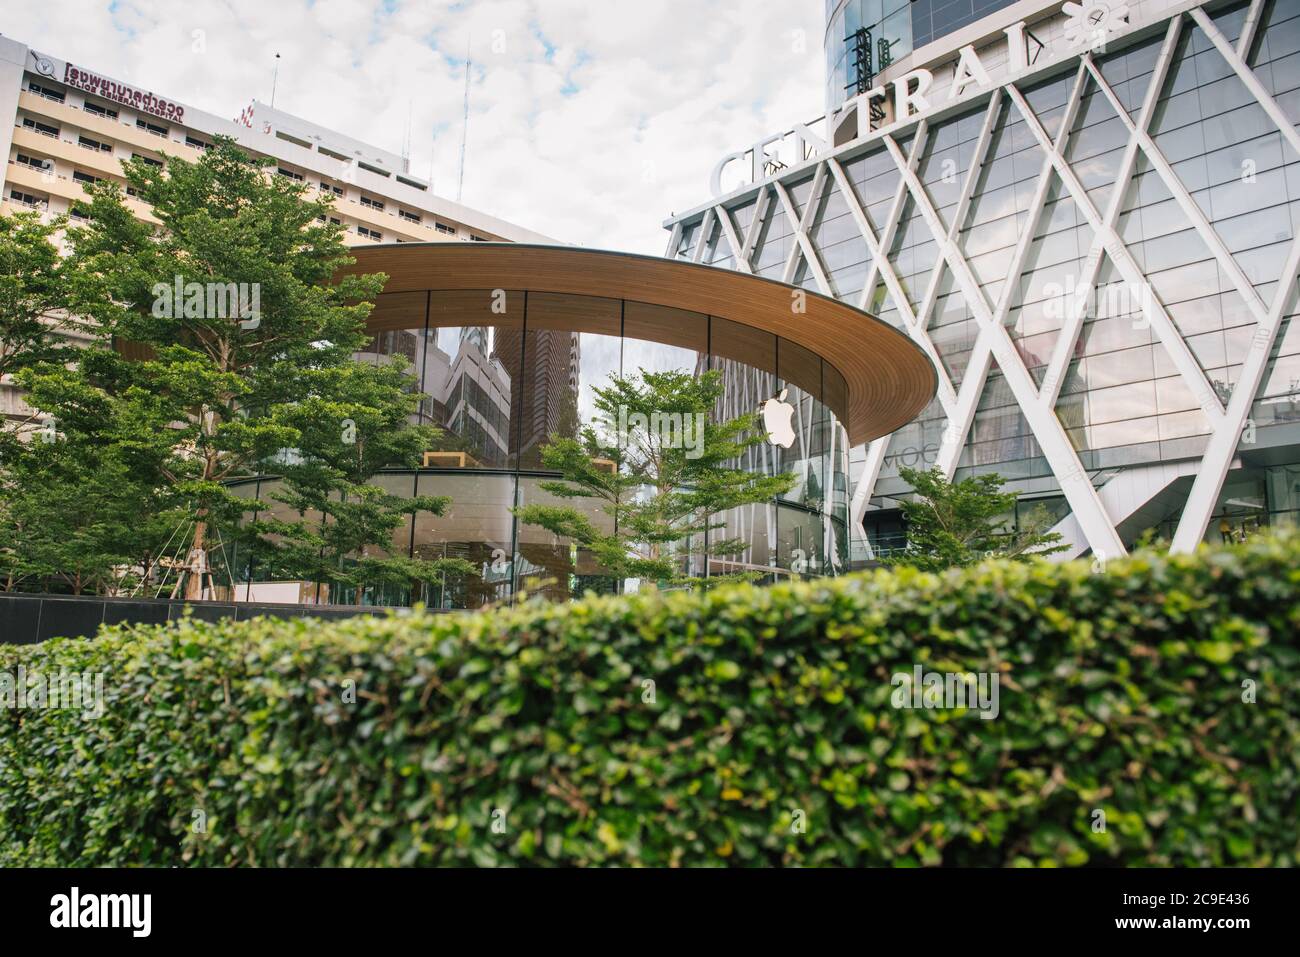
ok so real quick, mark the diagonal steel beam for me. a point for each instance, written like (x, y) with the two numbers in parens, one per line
(1245, 288)
(1247, 76)
(1217, 460)
(1248, 29)
(914, 329)
(986, 340)
(761, 203)
(674, 240)
(1047, 428)
(880, 265)
(733, 240)
(1179, 352)
(706, 233)
(800, 224)
(1077, 309)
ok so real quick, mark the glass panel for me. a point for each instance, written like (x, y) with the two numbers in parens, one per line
(659, 339)
(476, 527)
(559, 367)
(552, 566)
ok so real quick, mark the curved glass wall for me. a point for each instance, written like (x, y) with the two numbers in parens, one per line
(505, 369)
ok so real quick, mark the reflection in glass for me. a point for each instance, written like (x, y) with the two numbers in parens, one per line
(504, 370)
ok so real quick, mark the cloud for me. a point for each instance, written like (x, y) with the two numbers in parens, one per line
(590, 120)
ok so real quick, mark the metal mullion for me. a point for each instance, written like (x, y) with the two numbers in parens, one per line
(867, 482)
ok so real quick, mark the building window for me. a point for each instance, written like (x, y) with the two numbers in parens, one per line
(409, 217)
(147, 160)
(28, 199)
(197, 143)
(35, 162)
(42, 128)
(479, 239)
(327, 188)
(372, 169)
(281, 135)
(372, 203)
(152, 128)
(374, 234)
(88, 143)
(290, 174)
(444, 228)
(81, 177)
(47, 92)
(96, 110)
(413, 184)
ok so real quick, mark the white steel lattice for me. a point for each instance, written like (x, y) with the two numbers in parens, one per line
(1091, 525)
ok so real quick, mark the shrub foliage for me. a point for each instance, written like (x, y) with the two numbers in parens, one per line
(743, 726)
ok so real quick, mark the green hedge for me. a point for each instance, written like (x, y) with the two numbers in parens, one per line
(770, 737)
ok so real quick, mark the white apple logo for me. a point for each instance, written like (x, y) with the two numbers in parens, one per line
(776, 419)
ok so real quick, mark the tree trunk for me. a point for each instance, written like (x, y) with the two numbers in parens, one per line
(194, 583)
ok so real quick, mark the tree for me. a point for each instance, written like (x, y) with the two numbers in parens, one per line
(225, 309)
(34, 292)
(660, 470)
(952, 524)
(352, 420)
(77, 510)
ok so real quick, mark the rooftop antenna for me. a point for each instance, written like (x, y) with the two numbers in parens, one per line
(433, 148)
(274, 78)
(406, 148)
(464, 125)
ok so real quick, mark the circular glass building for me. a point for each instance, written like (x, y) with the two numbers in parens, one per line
(507, 341)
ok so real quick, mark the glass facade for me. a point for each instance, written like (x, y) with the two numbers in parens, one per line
(505, 369)
(896, 28)
(889, 24)
(932, 19)
(1137, 399)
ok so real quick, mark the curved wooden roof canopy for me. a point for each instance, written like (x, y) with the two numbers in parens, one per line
(887, 379)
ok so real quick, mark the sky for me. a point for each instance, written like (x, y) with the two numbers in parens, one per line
(590, 121)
